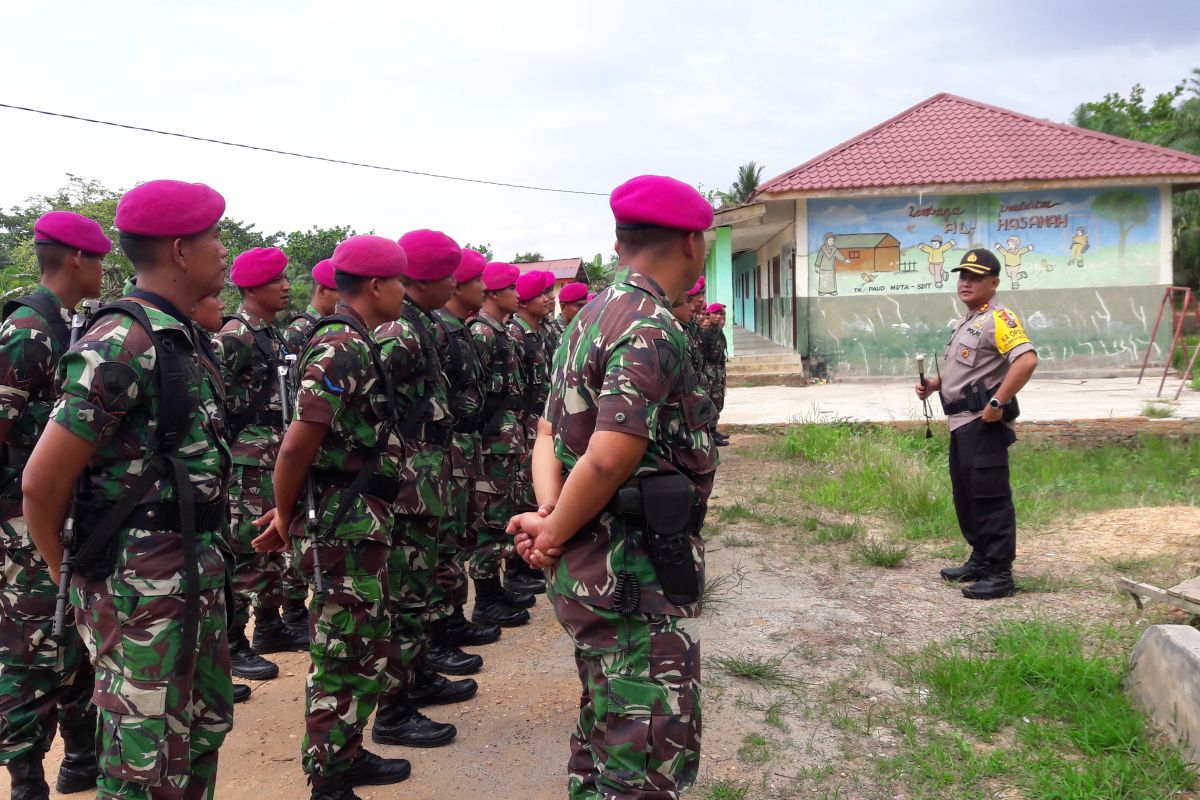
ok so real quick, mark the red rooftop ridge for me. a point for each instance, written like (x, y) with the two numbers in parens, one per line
(564, 269)
(953, 140)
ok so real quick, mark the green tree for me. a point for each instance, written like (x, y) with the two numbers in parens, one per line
(600, 272)
(744, 186)
(1128, 210)
(304, 249)
(484, 249)
(525, 258)
(1171, 119)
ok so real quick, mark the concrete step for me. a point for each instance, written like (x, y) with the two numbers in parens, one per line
(782, 359)
(764, 369)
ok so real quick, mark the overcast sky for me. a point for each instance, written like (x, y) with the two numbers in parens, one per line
(558, 94)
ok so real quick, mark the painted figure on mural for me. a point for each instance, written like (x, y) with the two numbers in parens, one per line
(826, 264)
(1011, 251)
(935, 251)
(1079, 246)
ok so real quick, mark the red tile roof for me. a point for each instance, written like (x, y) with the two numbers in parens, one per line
(952, 140)
(564, 269)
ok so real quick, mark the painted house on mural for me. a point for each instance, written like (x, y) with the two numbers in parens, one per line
(846, 258)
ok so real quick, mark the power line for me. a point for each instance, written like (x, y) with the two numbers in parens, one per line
(299, 155)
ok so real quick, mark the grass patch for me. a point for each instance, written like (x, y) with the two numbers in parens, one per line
(880, 553)
(757, 669)
(726, 790)
(1043, 583)
(854, 468)
(839, 532)
(737, 512)
(755, 749)
(1132, 564)
(1035, 706)
(810, 524)
(719, 588)
(1157, 410)
(772, 709)
(734, 540)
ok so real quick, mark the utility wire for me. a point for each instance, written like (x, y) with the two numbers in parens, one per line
(299, 155)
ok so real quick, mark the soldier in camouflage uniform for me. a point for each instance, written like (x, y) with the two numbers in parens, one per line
(457, 540)
(251, 348)
(415, 353)
(715, 349)
(322, 303)
(623, 392)
(534, 356)
(695, 339)
(571, 300)
(502, 448)
(142, 410)
(551, 327)
(342, 429)
(45, 682)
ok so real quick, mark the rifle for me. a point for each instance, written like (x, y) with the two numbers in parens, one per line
(924, 400)
(285, 371)
(79, 322)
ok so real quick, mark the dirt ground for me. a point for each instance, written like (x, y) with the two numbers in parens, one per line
(825, 618)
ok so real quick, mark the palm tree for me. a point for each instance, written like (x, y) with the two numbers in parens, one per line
(744, 186)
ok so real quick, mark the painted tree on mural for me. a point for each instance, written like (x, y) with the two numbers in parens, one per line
(1128, 210)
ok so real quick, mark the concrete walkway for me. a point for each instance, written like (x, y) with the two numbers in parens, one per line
(1043, 399)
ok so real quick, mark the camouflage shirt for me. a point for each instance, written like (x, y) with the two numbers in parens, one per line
(622, 367)
(502, 386)
(695, 346)
(534, 359)
(109, 398)
(29, 354)
(465, 374)
(295, 335)
(247, 371)
(551, 329)
(422, 407)
(340, 387)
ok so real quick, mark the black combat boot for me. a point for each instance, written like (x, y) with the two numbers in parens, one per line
(462, 633)
(431, 689)
(241, 693)
(490, 608)
(368, 769)
(443, 656)
(244, 662)
(974, 569)
(78, 770)
(996, 584)
(510, 596)
(400, 723)
(271, 635)
(521, 578)
(332, 787)
(28, 780)
(295, 616)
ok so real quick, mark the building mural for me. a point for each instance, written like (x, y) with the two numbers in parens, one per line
(1045, 239)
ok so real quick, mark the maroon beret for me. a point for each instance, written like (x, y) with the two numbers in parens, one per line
(698, 288)
(471, 267)
(591, 296)
(72, 230)
(322, 273)
(530, 285)
(659, 201)
(432, 255)
(369, 257)
(258, 266)
(548, 280)
(573, 293)
(497, 275)
(169, 209)
(716, 308)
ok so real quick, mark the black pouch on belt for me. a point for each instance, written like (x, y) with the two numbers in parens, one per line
(667, 502)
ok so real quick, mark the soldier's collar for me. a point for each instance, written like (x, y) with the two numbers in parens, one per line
(253, 321)
(646, 284)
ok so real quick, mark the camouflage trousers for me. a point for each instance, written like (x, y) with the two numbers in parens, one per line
(638, 733)
(493, 507)
(260, 580)
(348, 634)
(159, 731)
(411, 565)
(449, 590)
(43, 682)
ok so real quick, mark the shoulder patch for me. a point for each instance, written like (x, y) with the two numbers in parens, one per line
(1009, 332)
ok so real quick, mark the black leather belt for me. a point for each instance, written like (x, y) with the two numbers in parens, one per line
(386, 489)
(163, 516)
(958, 407)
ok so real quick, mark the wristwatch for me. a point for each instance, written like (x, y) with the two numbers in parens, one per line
(994, 403)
